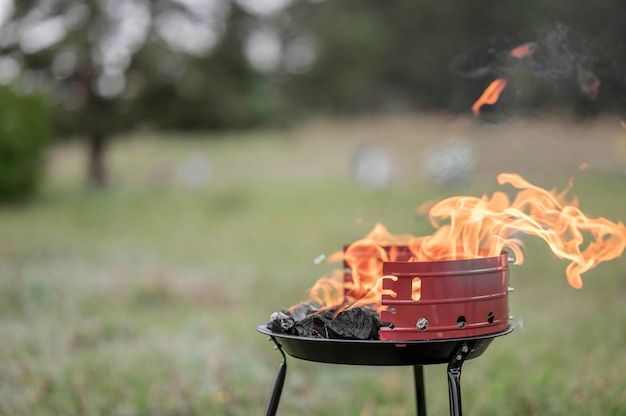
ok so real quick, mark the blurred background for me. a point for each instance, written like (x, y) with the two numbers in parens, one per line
(172, 171)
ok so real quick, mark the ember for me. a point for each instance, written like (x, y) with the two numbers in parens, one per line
(556, 59)
(490, 95)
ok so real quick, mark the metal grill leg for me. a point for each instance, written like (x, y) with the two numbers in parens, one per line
(420, 392)
(279, 381)
(454, 376)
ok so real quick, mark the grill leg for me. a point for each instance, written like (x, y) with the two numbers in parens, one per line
(454, 376)
(420, 393)
(277, 388)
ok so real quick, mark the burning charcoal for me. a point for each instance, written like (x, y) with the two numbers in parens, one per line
(314, 325)
(308, 331)
(326, 315)
(303, 309)
(355, 323)
(307, 328)
(281, 322)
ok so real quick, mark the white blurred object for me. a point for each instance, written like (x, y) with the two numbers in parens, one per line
(372, 167)
(319, 259)
(195, 171)
(450, 163)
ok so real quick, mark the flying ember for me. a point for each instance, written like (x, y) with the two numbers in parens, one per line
(492, 93)
(524, 50)
(468, 227)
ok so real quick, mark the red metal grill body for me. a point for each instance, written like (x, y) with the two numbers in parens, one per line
(458, 298)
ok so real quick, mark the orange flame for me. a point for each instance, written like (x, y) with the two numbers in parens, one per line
(490, 95)
(471, 227)
(524, 50)
(483, 227)
(493, 90)
(328, 290)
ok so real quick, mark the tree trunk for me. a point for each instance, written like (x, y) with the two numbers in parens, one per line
(96, 167)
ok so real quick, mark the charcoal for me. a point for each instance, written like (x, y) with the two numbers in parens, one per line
(308, 328)
(281, 322)
(284, 321)
(326, 315)
(303, 309)
(314, 325)
(355, 323)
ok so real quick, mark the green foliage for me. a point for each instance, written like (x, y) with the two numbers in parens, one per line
(221, 90)
(23, 140)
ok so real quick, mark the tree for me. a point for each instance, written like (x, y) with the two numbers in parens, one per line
(112, 64)
(23, 141)
(218, 91)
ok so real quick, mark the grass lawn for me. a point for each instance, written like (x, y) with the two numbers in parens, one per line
(143, 299)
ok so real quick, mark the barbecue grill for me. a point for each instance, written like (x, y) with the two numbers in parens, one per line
(462, 306)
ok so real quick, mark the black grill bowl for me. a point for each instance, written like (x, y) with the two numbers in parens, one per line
(375, 352)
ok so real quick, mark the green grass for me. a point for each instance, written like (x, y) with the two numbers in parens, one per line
(143, 299)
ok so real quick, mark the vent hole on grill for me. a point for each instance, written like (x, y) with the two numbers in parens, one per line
(460, 322)
(391, 310)
(416, 289)
(490, 317)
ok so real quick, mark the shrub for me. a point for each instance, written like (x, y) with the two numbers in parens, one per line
(23, 141)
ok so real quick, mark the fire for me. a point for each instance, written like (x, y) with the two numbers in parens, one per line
(490, 95)
(484, 226)
(472, 227)
(328, 290)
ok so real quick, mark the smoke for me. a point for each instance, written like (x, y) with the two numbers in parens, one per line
(562, 67)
